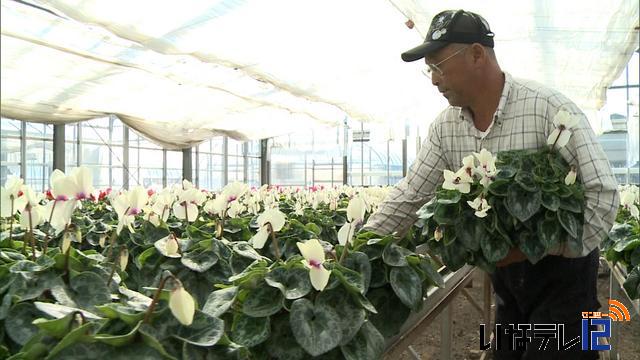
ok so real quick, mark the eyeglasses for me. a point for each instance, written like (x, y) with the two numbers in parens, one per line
(431, 68)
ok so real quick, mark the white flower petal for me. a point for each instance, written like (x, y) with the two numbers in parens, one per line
(273, 216)
(260, 238)
(570, 179)
(168, 246)
(182, 306)
(553, 136)
(563, 139)
(311, 250)
(319, 277)
(346, 233)
(356, 209)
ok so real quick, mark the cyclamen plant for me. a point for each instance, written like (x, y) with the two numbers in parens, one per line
(521, 198)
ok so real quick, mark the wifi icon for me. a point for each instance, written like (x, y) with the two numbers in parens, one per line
(617, 311)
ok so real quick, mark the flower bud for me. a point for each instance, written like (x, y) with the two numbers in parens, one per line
(438, 233)
(102, 240)
(570, 179)
(182, 305)
(172, 246)
(66, 243)
(124, 259)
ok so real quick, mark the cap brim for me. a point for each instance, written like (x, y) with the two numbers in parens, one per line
(423, 50)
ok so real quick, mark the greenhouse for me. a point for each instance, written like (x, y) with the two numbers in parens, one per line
(365, 179)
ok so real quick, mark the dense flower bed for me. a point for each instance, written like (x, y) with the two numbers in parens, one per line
(185, 273)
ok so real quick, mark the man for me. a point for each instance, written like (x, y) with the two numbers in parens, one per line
(490, 109)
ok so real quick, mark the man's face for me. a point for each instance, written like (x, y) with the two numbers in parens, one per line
(448, 72)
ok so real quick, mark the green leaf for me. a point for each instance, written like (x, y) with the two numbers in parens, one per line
(549, 232)
(499, 187)
(632, 283)
(367, 344)
(205, 330)
(263, 301)
(199, 261)
(471, 231)
(506, 172)
(531, 247)
(250, 331)
(314, 326)
(521, 203)
(448, 196)
(427, 210)
(430, 272)
(57, 328)
(294, 283)
(494, 248)
(118, 340)
(550, 201)
(313, 228)
(350, 315)
(220, 301)
(454, 256)
(569, 222)
(351, 279)
(89, 290)
(19, 322)
(152, 342)
(246, 250)
(446, 214)
(125, 313)
(392, 313)
(282, 344)
(563, 191)
(59, 311)
(359, 262)
(378, 274)
(526, 181)
(82, 333)
(394, 255)
(572, 204)
(549, 187)
(407, 286)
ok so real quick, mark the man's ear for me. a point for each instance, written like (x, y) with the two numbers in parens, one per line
(478, 53)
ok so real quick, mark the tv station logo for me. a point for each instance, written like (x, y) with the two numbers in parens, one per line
(595, 325)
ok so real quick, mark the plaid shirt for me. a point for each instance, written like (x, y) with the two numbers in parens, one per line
(523, 120)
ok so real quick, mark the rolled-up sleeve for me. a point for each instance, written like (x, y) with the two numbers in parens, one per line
(584, 152)
(398, 211)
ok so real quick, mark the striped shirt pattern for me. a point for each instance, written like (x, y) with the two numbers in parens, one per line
(523, 120)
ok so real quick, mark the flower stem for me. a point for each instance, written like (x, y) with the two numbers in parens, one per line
(32, 238)
(46, 238)
(65, 276)
(11, 223)
(554, 143)
(156, 297)
(186, 211)
(274, 241)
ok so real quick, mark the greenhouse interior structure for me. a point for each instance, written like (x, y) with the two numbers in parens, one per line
(364, 179)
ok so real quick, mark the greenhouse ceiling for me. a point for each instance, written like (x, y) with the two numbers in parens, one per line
(184, 71)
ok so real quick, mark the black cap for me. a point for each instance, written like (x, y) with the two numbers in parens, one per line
(452, 26)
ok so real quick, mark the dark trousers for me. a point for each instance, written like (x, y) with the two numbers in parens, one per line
(556, 290)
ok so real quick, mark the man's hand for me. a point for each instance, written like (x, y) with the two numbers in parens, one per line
(514, 256)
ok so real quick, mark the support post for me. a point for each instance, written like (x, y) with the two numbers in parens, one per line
(265, 162)
(187, 164)
(58, 147)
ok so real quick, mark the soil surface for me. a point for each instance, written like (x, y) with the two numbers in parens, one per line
(466, 321)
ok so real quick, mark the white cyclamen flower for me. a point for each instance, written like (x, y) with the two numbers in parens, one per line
(313, 254)
(487, 162)
(560, 135)
(168, 246)
(182, 305)
(272, 216)
(355, 216)
(460, 181)
(480, 205)
(627, 201)
(570, 179)
(10, 197)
